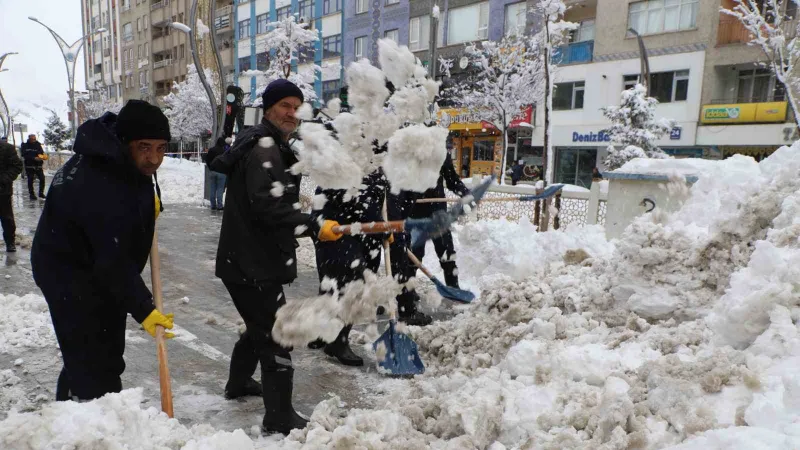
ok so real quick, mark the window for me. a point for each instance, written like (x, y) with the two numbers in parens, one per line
(330, 89)
(584, 32)
(515, 18)
(138, 51)
(419, 33)
(182, 51)
(360, 44)
(568, 96)
(139, 25)
(361, 6)
(666, 87)
(146, 22)
(468, 23)
(331, 6)
(127, 32)
(332, 46)
(284, 12)
(658, 16)
(305, 54)
(758, 85)
(392, 2)
(483, 150)
(244, 64)
(575, 165)
(261, 23)
(244, 29)
(262, 61)
(141, 78)
(147, 50)
(306, 8)
(393, 35)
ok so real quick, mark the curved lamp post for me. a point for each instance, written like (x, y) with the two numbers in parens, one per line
(200, 72)
(6, 119)
(70, 53)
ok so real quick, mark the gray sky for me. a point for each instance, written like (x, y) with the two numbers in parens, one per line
(37, 78)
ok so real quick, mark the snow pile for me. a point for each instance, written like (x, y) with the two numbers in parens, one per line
(24, 323)
(113, 421)
(181, 181)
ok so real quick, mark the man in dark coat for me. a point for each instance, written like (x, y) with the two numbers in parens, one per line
(92, 243)
(256, 254)
(517, 170)
(34, 156)
(10, 168)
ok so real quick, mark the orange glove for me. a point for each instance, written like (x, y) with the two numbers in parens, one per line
(44, 157)
(390, 239)
(326, 233)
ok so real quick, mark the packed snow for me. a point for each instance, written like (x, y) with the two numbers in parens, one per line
(181, 181)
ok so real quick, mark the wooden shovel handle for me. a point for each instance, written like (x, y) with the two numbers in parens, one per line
(418, 263)
(397, 226)
(161, 346)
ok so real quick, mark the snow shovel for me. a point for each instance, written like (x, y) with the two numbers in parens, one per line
(161, 346)
(546, 193)
(450, 293)
(422, 230)
(401, 354)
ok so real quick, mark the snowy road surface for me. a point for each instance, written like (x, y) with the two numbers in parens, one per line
(207, 328)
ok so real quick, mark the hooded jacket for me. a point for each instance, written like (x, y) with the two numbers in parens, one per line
(96, 229)
(30, 150)
(10, 167)
(262, 215)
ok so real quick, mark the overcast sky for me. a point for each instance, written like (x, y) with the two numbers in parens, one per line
(37, 78)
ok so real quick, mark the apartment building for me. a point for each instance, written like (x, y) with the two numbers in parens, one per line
(102, 63)
(252, 19)
(136, 57)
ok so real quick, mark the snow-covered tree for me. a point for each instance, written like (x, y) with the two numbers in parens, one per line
(98, 103)
(767, 24)
(510, 75)
(284, 42)
(56, 133)
(634, 128)
(188, 107)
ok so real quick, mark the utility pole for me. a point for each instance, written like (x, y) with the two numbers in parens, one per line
(432, 41)
(7, 118)
(70, 53)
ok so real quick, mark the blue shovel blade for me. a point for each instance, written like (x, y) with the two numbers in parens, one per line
(402, 356)
(451, 293)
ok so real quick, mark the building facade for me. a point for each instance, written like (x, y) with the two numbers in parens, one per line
(102, 61)
(252, 18)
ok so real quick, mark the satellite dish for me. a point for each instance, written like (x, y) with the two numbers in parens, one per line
(463, 62)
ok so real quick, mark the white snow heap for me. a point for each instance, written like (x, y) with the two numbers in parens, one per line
(325, 160)
(634, 128)
(25, 323)
(188, 106)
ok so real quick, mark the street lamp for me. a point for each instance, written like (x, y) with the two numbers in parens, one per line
(200, 72)
(6, 120)
(70, 53)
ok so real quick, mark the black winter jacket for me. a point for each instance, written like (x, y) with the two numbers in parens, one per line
(447, 175)
(30, 151)
(96, 229)
(10, 167)
(262, 210)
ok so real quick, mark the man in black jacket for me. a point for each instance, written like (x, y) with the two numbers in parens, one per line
(92, 243)
(34, 156)
(10, 168)
(256, 254)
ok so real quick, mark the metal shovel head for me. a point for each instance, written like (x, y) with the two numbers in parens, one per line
(402, 356)
(451, 293)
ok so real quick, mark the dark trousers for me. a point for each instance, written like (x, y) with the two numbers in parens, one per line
(446, 252)
(91, 334)
(7, 219)
(257, 305)
(35, 173)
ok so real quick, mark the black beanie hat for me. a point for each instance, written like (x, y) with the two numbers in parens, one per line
(279, 90)
(141, 120)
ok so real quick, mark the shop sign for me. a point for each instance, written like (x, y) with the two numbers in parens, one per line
(591, 137)
(745, 113)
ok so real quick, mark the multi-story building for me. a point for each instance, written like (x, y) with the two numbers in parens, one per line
(102, 63)
(252, 18)
(136, 58)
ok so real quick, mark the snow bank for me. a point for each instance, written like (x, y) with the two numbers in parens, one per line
(181, 181)
(25, 323)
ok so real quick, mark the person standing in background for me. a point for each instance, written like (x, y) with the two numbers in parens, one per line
(10, 168)
(217, 180)
(34, 156)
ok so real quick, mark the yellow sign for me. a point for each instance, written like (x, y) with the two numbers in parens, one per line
(459, 119)
(744, 113)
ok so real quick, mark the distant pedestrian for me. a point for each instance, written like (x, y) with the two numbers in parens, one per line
(10, 168)
(34, 156)
(517, 171)
(217, 180)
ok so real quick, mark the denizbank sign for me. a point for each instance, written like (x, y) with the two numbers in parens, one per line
(591, 137)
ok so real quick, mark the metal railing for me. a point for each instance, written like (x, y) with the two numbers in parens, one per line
(575, 53)
(158, 5)
(126, 8)
(127, 37)
(777, 97)
(222, 22)
(731, 31)
(162, 63)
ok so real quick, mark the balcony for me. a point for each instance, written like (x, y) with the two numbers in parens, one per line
(223, 24)
(162, 63)
(159, 45)
(106, 52)
(575, 53)
(738, 113)
(160, 16)
(731, 31)
(126, 8)
(159, 5)
(127, 37)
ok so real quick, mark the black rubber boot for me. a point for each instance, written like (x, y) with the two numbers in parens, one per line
(417, 318)
(316, 345)
(407, 311)
(11, 248)
(450, 274)
(280, 416)
(33, 197)
(62, 387)
(243, 365)
(340, 349)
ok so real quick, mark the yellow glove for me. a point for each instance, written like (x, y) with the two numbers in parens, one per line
(43, 157)
(390, 239)
(326, 233)
(158, 206)
(156, 318)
